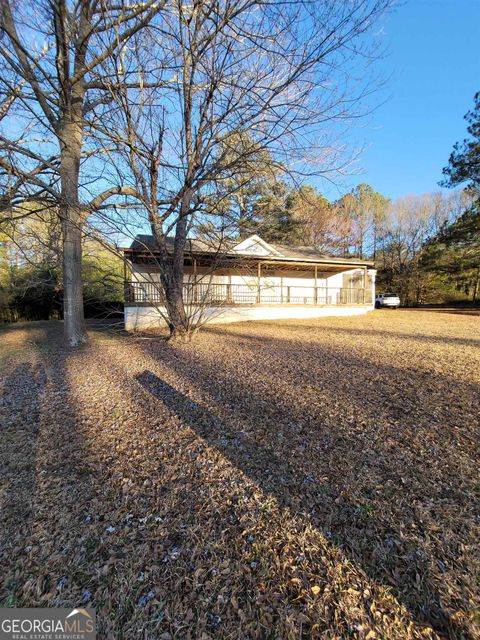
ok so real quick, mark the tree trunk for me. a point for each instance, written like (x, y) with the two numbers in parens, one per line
(475, 288)
(171, 277)
(171, 272)
(178, 321)
(74, 325)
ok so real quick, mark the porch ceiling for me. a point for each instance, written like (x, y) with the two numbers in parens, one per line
(335, 265)
(306, 267)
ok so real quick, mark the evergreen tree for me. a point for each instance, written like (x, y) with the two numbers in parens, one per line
(455, 251)
(453, 255)
(464, 162)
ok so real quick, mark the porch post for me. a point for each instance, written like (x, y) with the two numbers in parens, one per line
(126, 292)
(364, 284)
(315, 293)
(259, 275)
(193, 283)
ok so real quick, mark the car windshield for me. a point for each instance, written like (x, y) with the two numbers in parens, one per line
(390, 295)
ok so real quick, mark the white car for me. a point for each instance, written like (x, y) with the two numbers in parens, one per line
(387, 300)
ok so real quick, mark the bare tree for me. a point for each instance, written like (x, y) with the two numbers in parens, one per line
(410, 222)
(54, 92)
(274, 74)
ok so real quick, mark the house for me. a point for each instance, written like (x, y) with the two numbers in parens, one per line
(248, 280)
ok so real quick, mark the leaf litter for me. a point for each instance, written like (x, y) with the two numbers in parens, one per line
(298, 479)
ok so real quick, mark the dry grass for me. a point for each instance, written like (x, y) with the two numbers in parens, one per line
(300, 479)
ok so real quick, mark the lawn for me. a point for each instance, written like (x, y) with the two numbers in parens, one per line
(287, 480)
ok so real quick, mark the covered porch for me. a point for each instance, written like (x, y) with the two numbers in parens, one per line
(251, 280)
(241, 281)
(149, 293)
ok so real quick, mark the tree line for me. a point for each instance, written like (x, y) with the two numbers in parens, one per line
(425, 247)
(211, 117)
(416, 241)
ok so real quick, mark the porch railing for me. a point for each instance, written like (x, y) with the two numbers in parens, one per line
(226, 294)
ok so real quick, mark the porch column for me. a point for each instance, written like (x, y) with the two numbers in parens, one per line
(126, 288)
(315, 291)
(259, 275)
(365, 281)
(194, 285)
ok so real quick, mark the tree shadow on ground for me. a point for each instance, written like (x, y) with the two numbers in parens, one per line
(382, 529)
(20, 398)
(90, 539)
(472, 311)
(26, 325)
(53, 484)
(359, 482)
(358, 332)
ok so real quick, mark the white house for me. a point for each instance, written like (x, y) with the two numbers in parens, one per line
(249, 280)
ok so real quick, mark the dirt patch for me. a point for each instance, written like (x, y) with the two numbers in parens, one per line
(296, 479)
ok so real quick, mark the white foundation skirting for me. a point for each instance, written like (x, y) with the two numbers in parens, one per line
(140, 318)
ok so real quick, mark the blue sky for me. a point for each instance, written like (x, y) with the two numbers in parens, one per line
(433, 57)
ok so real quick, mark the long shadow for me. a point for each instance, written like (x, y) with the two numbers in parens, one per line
(236, 444)
(373, 384)
(83, 486)
(296, 482)
(66, 500)
(20, 399)
(71, 543)
(462, 312)
(83, 542)
(25, 325)
(52, 482)
(382, 334)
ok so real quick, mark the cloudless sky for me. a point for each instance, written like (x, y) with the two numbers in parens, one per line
(433, 57)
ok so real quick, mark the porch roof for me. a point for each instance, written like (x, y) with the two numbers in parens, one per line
(144, 245)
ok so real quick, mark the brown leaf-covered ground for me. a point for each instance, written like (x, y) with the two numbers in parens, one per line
(296, 479)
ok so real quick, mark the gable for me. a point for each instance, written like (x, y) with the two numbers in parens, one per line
(255, 246)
